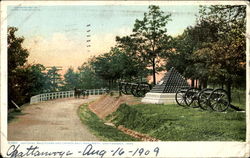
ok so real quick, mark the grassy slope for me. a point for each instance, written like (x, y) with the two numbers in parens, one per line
(175, 123)
(97, 126)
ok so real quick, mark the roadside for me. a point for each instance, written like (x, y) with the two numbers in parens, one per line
(169, 122)
(54, 120)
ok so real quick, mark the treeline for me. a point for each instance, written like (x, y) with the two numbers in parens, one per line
(26, 80)
(213, 51)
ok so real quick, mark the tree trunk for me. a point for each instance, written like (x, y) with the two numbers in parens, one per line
(229, 86)
(204, 83)
(192, 82)
(196, 83)
(109, 84)
(154, 77)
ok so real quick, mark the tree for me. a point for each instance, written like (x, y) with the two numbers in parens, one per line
(135, 64)
(88, 79)
(149, 38)
(225, 54)
(17, 56)
(115, 65)
(29, 81)
(214, 49)
(54, 79)
(182, 56)
(71, 79)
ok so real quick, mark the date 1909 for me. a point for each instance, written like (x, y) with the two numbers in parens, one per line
(88, 151)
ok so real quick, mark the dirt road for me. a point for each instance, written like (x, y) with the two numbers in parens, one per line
(54, 120)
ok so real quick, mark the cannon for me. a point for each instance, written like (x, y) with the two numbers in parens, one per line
(136, 89)
(215, 99)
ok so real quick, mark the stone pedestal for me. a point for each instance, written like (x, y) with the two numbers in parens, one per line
(159, 98)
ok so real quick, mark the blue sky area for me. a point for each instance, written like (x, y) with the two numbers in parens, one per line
(45, 25)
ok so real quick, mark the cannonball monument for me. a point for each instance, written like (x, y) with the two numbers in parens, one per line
(164, 91)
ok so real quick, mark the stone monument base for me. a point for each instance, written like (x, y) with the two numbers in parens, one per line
(159, 98)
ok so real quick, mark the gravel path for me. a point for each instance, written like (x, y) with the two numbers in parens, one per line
(54, 120)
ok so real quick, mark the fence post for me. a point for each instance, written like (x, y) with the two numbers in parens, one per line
(64, 94)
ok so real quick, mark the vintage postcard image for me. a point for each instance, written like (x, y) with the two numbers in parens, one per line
(124, 79)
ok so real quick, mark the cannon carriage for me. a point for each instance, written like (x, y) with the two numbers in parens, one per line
(136, 89)
(215, 99)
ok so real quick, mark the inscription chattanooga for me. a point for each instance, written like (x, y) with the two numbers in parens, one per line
(15, 151)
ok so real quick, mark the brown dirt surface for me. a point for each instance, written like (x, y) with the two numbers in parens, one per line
(54, 120)
(106, 104)
(135, 134)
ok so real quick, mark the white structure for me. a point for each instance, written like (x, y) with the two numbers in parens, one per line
(164, 92)
(159, 98)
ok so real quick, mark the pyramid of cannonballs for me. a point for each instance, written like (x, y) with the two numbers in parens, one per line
(170, 83)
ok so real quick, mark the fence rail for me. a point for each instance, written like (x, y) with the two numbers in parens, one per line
(63, 94)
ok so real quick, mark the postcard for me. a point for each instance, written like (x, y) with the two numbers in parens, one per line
(125, 79)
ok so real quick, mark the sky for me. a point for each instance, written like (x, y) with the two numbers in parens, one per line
(57, 35)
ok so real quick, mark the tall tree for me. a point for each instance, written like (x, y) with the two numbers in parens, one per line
(17, 56)
(88, 79)
(24, 80)
(226, 53)
(71, 79)
(150, 37)
(54, 79)
(115, 65)
(29, 81)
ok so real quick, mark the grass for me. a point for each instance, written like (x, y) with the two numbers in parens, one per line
(98, 128)
(12, 116)
(239, 98)
(14, 113)
(175, 123)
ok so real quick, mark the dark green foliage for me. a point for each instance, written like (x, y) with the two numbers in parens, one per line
(114, 65)
(54, 82)
(149, 39)
(97, 126)
(175, 123)
(17, 55)
(88, 79)
(71, 80)
(214, 50)
(24, 80)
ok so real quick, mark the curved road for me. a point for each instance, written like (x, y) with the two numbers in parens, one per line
(54, 120)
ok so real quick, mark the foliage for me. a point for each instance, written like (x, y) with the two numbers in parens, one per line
(29, 81)
(214, 49)
(175, 123)
(97, 126)
(54, 81)
(24, 80)
(88, 79)
(149, 39)
(17, 55)
(114, 65)
(71, 80)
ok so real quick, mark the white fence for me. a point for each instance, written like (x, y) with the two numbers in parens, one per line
(64, 94)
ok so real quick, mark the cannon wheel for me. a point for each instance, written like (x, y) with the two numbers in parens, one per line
(122, 87)
(180, 96)
(128, 88)
(219, 100)
(203, 100)
(142, 89)
(134, 89)
(191, 97)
